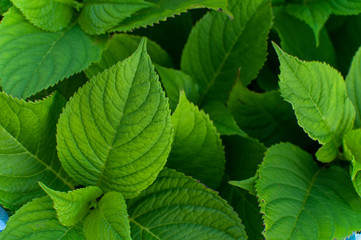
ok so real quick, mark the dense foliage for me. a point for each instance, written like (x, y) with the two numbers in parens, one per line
(180, 119)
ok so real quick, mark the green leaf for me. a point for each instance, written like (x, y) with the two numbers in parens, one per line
(327, 152)
(298, 39)
(99, 16)
(49, 15)
(121, 46)
(4, 6)
(28, 149)
(223, 119)
(37, 220)
(353, 85)
(165, 9)
(72, 206)
(197, 148)
(299, 200)
(32, 60)
(264, 116)
(109, 220)
(317, 93)
(217, 47)
(116, 132)
(175, 81)
(246, 184)
(177, 207)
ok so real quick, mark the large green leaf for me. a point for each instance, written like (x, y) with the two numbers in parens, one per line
(317, 93)
(116, 132)
(165, 9)
(176, 207)
(299, 200)
(109, 220)
(37, 220)
(217, 47)
(49, 15)
(121, 46)
(72, 206)
(175, 81)
(316, 13)
(197, 148)
(298, 39)
(28, 149)
(353, 85)
(264, 116)
(99, 16)
(32, 59)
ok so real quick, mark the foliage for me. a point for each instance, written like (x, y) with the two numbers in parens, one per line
(246, 127)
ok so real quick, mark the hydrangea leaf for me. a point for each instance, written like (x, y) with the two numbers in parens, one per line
(353, 85)
(165, 9)
(264, 116)
(317, 93)
(217, 47)
(197, 149)
(72, 206)
(299, 200)
(175, 81)
(121, 46)
(116, 132)
(223, 119)
(99, 16)
(177, 207)
(49, 15)
(289, 29)
(28, 149)
(109, 220)
(37, 220)
(32, 60)
(4, 6)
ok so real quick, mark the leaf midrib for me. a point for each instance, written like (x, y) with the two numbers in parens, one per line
(39, 160)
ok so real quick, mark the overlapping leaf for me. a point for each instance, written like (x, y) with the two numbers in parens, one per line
(165, 9)
(72, 206)
(353, 85)
(109, 220)
(176, 207)
(27, 149)
(217, 47)
(116, 132)
(197, 149)
(299, 200)
(49, 15)
(99, 16)
(37, 220)
(121, 46)
(32, 60)
(317, 93)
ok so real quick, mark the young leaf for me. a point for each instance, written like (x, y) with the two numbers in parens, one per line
(99, 16)
(264, 116)
(32, 60)
(175, 81)
(116, 132)
(37, 220)
(223, 119)
(317, 93)
(177, 207)
(217, 47)
(27, 149)
(299, 200)
(197, 149)
(353, 85)
(72, 206)
(121, 46)
(165, 9)
(49, 15)
(109, 220)
(246, 184)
